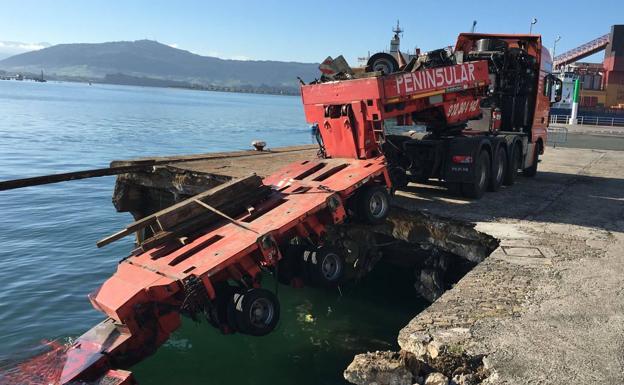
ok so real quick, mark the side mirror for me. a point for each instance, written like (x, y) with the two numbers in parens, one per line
(553, 88)
(558, 88)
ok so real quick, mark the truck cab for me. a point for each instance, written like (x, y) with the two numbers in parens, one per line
(486, 151)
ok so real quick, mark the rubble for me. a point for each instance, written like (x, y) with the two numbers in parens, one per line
(378, 368)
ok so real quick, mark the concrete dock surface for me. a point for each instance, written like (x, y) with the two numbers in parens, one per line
(546, 307)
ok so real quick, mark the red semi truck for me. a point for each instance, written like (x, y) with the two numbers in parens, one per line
(483, 108)
(473, 138)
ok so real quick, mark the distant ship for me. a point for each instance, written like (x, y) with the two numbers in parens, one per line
(40, 79)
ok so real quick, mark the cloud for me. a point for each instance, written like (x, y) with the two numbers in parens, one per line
(226, 57)
(240, 57)
(16, 47)
(173, 45)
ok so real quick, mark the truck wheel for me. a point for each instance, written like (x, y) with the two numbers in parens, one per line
(373, 204)
(324, 266)
(330, 266)
(532, 170)
(256, 311)
(477, 187)
(219, 314)
(514, 164)
(499, 168)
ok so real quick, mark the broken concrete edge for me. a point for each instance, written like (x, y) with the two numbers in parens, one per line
(454, 236)
(405, 368)
(143, 193)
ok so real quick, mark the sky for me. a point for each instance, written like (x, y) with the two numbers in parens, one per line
(295, 30)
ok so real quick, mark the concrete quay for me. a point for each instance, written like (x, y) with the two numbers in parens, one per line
(547, 306)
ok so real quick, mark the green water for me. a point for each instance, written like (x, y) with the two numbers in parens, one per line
(319, 333)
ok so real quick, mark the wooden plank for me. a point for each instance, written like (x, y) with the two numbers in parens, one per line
(222, 194)
(224, 215)
(197, 223)
(241, 191)
(132, 228)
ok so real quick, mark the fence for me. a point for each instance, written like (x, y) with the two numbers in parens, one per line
(557, 135)
(589, 120)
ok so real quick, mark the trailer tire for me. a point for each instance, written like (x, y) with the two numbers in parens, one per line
(531, 171)
(373, 204)
(515, 160)
(219, 314)
(330, 266)
(256, 311)
(499, 168)
(324, 266)
(477, 187)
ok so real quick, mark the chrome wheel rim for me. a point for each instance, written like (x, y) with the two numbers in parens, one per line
(331, 267)
(261, 312)
(378, 205)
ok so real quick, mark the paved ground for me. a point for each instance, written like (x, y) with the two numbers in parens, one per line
(547, 307)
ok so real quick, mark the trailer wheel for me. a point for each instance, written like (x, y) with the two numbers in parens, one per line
(256, 311)
(324, 266)
(220, 314)
(499, 168)
(532, 170)
(373, 204)
(515, 160)
(330, 266)
(477, 187)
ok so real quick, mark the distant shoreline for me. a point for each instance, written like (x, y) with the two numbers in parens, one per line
(128, 80)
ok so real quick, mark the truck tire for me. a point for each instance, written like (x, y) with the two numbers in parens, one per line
(515, 160)
(532, 170)
(373, 204)
(219, 314)
(256, 311)
(499, 168)
(477, 187)
(325, 266)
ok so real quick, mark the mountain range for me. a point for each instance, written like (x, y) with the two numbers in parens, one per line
(148, 61)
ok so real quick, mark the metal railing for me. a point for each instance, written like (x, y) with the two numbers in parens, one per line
(589, 120)
(557, 135)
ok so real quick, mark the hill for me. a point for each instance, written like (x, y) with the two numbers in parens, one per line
(147, 59)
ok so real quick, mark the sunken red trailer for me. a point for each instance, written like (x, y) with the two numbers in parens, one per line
(146, 297)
